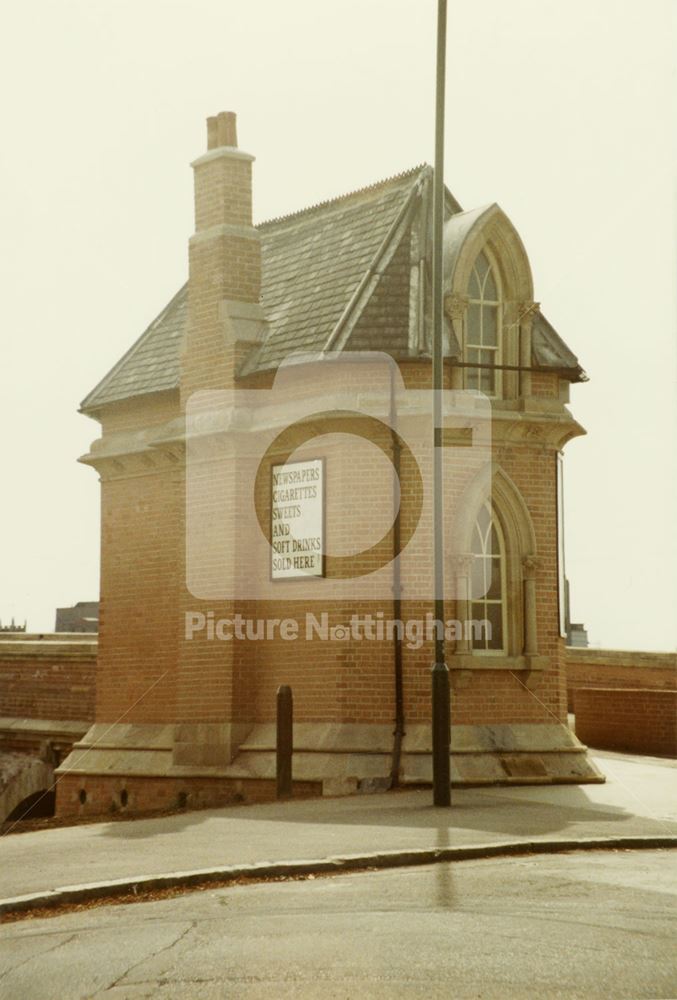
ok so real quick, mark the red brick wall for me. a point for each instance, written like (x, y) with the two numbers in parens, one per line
(352, 682)
(104, 794)
(613, 668)
(148, 674)
(139, 615)
(632, 719)
(51, 678)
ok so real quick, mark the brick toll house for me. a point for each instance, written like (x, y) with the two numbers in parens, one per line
(305, 342)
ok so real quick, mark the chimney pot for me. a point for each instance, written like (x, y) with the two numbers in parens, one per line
(222, 130)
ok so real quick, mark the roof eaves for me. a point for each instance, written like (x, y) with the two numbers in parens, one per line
(89, 403)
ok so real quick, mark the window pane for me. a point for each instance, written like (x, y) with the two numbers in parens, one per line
(493, 549)
(478, 581)
(482, 266)
(474, 324)
(487, 381)
(474, 289)
(494, 612)
(483, 522)
(489, 325)
(490, 292)
(494, 590)
(478, 613)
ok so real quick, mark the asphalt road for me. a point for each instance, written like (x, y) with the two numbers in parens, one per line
(582, 925)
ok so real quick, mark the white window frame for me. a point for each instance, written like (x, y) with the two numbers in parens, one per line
(502, 554)
(498, 379)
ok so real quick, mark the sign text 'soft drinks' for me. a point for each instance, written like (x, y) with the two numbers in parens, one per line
(297, 519)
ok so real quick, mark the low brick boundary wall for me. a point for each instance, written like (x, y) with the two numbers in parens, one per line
(614, 668)
(48, 676)
(630, 719)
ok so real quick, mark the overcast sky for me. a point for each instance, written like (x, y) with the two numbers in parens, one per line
(562, 112)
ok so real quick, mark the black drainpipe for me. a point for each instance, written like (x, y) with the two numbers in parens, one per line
(398, 733)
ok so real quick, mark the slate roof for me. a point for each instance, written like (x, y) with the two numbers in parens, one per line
(312, 262)
(152, 363)
(312, 265)
(550, 351)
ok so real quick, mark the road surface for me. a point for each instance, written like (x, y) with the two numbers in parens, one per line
(568, 926)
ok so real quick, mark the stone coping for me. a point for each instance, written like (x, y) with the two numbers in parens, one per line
(622, 691)
(79, 637)
(621, 658)
(64, 645)
(46, 727)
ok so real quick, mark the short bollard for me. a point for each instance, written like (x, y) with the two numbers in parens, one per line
(285, 743)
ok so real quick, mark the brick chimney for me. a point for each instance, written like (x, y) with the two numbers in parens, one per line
(224, 313)
(225, 320)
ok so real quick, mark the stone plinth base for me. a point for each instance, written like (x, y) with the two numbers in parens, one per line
(143, 768)
(133, 768)
(348, 758)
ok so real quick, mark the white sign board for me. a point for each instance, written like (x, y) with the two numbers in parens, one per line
(297, 520)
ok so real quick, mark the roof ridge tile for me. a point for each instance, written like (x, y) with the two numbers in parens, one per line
(402, 175)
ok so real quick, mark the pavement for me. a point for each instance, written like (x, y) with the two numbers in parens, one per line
(637, 806)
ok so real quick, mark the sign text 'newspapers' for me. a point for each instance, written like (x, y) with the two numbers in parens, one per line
(297, 520)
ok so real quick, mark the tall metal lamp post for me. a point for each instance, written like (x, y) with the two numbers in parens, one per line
(441, 709)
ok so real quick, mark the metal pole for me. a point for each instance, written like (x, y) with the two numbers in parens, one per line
(284, 746)
(441, 709)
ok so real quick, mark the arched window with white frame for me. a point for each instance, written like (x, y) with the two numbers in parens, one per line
(488, 582)
(483, 329)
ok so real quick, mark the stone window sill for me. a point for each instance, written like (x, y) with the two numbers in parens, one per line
(479, 661)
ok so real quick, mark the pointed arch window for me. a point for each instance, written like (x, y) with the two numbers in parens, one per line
(483, 328)
(488, 582)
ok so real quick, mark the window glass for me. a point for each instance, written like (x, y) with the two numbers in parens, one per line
(488, 581)
(482, 329)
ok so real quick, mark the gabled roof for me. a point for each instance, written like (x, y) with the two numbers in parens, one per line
(314, 265)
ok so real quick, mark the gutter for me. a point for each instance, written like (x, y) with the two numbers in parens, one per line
(399, 731)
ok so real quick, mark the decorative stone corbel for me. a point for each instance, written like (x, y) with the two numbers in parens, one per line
(526, 313)
(455, 306)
